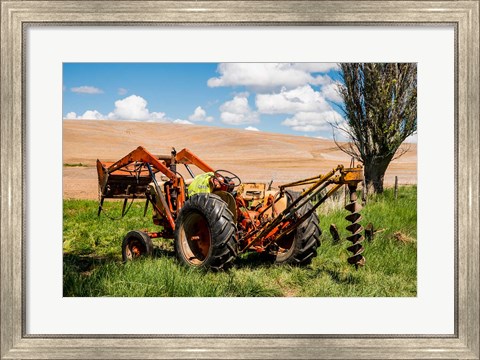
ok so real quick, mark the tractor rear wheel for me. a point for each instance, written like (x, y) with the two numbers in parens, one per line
(205, 233)
(136, 244)
(300, 247)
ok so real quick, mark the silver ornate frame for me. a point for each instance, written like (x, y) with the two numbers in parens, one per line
(16, 15)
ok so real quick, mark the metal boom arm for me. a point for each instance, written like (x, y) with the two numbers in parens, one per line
(287, 221)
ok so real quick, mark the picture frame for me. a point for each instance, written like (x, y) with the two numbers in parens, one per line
(17, 15)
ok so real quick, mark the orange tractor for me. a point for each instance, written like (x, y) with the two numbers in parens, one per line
(211, 228)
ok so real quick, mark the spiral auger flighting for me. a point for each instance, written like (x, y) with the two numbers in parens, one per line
(355, 228)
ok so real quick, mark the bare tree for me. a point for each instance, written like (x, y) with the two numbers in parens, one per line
(380, 108)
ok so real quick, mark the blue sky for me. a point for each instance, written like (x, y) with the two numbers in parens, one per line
(288, 98)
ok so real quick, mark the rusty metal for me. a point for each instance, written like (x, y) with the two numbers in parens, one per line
(293, 222)
(351, 176)
(129, 177)
(271, 231)
(167, 213)
(134, 249)
(315, 180)
(355, 228)
(187, 157)
(140, 155)
(261, 227)
(166, 233)
(195, 238)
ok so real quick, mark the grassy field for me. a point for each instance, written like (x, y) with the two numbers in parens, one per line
(92, 263)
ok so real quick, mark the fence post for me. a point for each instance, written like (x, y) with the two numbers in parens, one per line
(364, 191)
(396, 187)
(334, 233)
(347, 192)
(345, 195)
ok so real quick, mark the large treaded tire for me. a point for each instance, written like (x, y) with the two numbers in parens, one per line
(305, 239)
(206, 220)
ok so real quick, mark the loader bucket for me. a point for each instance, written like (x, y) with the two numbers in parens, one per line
(129, 177)
(130, 181)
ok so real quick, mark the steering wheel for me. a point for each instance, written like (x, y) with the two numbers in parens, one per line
(230, 180)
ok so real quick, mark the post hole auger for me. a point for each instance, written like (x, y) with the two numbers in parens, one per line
(213, 217)
(288, 221)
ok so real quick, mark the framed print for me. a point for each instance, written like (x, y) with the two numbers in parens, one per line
(58, 55)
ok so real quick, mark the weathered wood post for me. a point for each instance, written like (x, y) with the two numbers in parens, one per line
(396, 187)
(334, 233)
(364, 191)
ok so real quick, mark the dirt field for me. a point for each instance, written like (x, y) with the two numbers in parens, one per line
(252, 155)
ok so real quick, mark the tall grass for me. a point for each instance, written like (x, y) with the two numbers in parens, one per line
(93, 267)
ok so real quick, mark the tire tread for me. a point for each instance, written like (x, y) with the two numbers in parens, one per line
(222, 228)
(307, 237)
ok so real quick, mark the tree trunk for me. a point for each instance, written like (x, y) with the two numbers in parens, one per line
(374, 174)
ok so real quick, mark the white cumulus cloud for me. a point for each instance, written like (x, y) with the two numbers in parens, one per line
(331, 92)
(316, 67)
(313, 121)
(87, 115)
(268, 76)
(412, 139)
(71, 115)
(132, 107)
(199, 114)
(251, 128)
(183, 122)
(301, 99)
(238, 112)
(86, 90)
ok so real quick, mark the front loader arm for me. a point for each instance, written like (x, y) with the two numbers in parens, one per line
(142, 155)
(187, 157)
(129, 174)
(129, 178)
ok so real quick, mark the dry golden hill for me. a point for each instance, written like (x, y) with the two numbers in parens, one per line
(253, 155)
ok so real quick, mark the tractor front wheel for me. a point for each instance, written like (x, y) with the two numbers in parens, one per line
(136, 244)
(205, 234)
(300, 247)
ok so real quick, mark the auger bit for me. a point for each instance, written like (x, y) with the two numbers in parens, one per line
(355, 228)
(351, 177)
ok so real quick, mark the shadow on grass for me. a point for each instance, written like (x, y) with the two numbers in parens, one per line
(84, 264)
(341, 278)
(77, 271)
(253, 260)
(160, 252)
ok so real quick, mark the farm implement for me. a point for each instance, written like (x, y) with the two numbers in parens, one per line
(213, 217)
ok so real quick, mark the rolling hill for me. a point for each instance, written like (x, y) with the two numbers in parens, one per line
(253, 155)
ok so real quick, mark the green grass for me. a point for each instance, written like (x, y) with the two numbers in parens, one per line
(93, 266)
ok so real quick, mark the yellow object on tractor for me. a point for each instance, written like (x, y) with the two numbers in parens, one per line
(213, 217)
